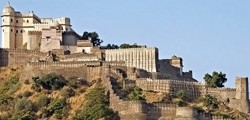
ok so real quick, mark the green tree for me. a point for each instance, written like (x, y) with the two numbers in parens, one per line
(50, 81)
(215, 80)
(96, 105)
(210, 101)
(136, 94)
(125, 45)
(58, 107)
(180, 98)
(94, 38)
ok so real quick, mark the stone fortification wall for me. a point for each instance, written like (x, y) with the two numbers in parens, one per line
(20, 56)
(161, 111)
(142, 58)
(34, 40)
(127, 109)
(71, 64)
(221, 93)
(70, 38)
(192, 89)
(4, 57)
(86, 71)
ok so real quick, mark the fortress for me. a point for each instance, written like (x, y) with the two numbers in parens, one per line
(52, 45)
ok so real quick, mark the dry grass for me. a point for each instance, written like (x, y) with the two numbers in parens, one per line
(152, 97)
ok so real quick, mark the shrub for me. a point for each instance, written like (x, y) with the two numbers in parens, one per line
(36, 87)
(23, 105)
(135, 94)
(210, 101)
(67, 92)
(50, 81)
(58, 107)
(27, 94)
(26, 82)
(10, 86)
(74, 82)
(96, 106)
(42, 101)
(181, 94)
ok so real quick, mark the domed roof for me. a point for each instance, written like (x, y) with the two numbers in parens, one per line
(8, 9)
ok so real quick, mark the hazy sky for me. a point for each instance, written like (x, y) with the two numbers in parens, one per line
(210, 35)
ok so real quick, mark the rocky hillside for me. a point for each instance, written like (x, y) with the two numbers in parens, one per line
(51, 96)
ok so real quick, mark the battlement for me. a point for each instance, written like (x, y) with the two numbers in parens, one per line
(64, 64)
(221, 89)
(34, 32)
(167, 81)
(122, 49)
(18, 14)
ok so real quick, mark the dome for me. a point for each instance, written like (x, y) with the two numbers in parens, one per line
(8, 9)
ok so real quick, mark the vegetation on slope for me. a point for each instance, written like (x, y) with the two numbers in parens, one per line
(96, 106)
(48, 97)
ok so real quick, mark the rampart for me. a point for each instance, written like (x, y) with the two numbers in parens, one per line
(192, 89)
(20, 56)
(142, 58)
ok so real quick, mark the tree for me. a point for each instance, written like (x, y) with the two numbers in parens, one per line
(180, 98)
(125, 45)
(96, 105)
(113, 46)
(215, 80)
(210, 101)
(95, 40)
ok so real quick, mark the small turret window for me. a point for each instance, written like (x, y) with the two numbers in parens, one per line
(16, 31)
(11, 20)
(27, 21)
(16, 21)
(21, 31)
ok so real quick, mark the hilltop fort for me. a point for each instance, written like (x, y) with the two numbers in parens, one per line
(43, 45)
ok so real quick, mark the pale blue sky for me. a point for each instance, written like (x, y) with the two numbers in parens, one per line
(210, 35)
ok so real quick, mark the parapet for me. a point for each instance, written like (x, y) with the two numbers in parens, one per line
(34, 32)
(131, 49)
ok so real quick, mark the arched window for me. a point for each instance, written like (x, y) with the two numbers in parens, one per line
(27, 21)
(16, 21)
(21, 31)
(11, 20)
(11, 30)
(16, 31)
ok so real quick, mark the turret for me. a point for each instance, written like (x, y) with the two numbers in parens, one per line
(177, 62)
(242, 94)
(8, 27)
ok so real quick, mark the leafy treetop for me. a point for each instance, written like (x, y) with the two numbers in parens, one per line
(215, 80)
(95, 40)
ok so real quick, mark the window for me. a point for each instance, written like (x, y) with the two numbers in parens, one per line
(11, 30)
(16, 21)
(3, 20)
(21, 31)
(3, 30)
(27, 21)
(11, 20)
(16, 31)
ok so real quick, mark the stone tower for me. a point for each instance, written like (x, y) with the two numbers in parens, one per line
(242, 94)
(177, 62)
(8, 27)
